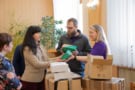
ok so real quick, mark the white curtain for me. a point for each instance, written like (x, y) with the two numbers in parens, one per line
(65, 9)
(121, 31)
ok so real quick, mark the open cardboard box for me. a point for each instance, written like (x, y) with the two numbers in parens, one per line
(59, 77)
(63, 81)
(98, 68)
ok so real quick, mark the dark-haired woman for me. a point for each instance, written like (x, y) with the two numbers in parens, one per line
(36, 60)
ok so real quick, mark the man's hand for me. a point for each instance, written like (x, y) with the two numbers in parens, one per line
(75, 53)
(70, 58)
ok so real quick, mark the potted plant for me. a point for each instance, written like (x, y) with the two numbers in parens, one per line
(17, 30)
(50, 32)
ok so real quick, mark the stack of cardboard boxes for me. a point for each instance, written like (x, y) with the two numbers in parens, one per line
(98, 75)
(60, 78)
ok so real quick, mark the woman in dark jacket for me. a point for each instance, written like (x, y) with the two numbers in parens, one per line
(18, 61)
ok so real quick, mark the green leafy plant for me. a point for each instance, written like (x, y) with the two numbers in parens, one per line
(50, 32)
(17, 30)
(49, 36)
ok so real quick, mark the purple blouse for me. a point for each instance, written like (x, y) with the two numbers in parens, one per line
(99, 49)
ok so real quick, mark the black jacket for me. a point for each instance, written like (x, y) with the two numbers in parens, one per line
(83, 48)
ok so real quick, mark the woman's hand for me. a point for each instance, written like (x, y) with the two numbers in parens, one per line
(19, 87)
(70, 58)
(59, 60)
(10, 75)
(19, 77)
(48, 65)
(1, 87)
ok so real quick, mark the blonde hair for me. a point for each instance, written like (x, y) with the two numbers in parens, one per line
(101, 36)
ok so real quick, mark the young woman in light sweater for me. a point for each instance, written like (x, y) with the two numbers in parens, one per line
(36, 60)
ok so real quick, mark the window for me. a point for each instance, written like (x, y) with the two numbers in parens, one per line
(121, 31)
(65, 9)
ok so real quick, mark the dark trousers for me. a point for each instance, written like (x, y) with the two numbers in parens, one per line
(33, 85)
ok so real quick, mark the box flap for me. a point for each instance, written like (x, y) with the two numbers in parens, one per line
(109, 57)
(92, 57)
(102, 61)
(65, 75)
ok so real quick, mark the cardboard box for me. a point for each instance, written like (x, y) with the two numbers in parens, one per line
(96, 84)
(98, 68)
(132, 85)
(64, 84)
(86, 84)
(59, 85)
(63, 81)
(56, 67)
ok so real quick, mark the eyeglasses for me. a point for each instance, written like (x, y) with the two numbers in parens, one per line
(69, 27)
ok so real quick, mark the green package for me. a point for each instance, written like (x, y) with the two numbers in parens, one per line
(68, 51)
(70, 47)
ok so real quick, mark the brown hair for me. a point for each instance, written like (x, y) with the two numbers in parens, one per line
(5, 39)
(75, 22)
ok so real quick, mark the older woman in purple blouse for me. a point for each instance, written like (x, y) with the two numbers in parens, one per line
(100, 47)
(96, 34)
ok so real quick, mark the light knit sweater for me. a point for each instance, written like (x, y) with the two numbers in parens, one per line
(35, 65)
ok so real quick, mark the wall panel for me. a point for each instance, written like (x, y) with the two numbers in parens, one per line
(23, 11)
